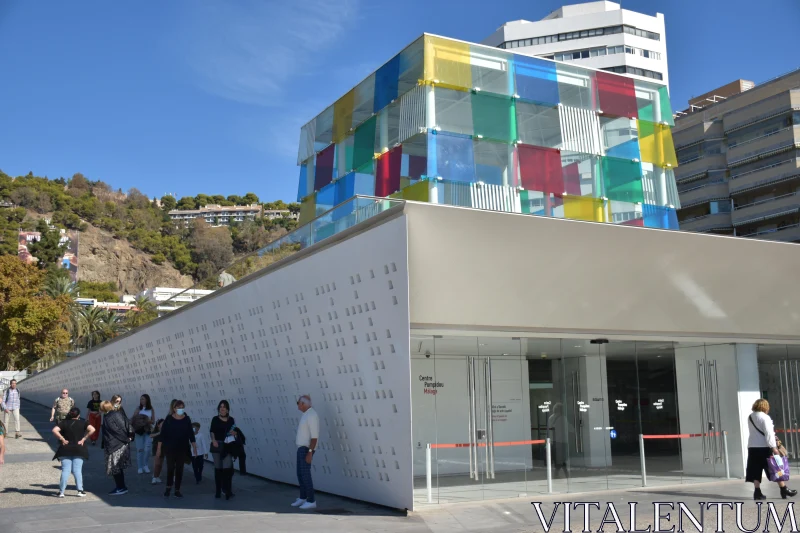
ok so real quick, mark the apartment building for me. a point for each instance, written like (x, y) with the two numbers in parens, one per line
(599, 35)
(272, 214)
(218, 215)
(739, 160)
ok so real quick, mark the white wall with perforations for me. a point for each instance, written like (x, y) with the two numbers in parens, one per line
(334, 324)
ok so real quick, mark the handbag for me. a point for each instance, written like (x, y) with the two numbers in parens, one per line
(778, 468)
(778, 443)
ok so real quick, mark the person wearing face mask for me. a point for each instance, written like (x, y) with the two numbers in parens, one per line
(116, 444)
(222, 431)
(177, 435)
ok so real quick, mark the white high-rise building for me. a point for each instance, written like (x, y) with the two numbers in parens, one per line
(598, 35)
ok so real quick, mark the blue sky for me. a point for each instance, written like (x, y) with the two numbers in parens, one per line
(192, 96)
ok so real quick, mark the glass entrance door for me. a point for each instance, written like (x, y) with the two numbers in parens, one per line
(779, 377)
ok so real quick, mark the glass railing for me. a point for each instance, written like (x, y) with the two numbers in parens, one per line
(331, 222)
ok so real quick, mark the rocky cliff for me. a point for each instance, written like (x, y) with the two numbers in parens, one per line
(103, 258)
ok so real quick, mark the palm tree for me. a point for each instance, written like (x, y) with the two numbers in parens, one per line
(63, 286)
(93, 327)
(114, 325)
(145, 311)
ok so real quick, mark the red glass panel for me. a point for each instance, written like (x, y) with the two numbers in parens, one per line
(323, 174)
(616, 95)
(572, 179)
(387, 177)
(540, 169)
(638, 222)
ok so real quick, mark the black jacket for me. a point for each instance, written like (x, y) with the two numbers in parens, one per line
(117, 431)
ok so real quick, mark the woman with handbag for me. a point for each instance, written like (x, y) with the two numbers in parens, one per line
(761, 446)
(223, 431)
(117, 433)
(177, 435)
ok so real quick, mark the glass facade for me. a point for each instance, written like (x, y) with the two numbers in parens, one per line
(456, 123)
(486, 409)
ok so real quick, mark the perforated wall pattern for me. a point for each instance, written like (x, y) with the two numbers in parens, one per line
(334, 325)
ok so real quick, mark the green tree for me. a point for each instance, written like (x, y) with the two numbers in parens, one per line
(144, 312)
(250, 198)
(168, 203)
(187, 202)
(100, 291)
(48, 249)
(30, 320)
(235, 200)
(212, 248)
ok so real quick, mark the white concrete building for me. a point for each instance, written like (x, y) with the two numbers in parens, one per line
(170, 298)
(597, 35)
(217, 215)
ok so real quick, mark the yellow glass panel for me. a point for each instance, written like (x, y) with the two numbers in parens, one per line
(419, 192)
(656, 145)
(308, 209)
(447, 63)
(343, 116)
(584, 208)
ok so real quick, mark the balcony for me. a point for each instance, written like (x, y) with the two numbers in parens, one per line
(699, 166)
(769, 107)
(785, 234)
(766, 209)
(783, 139)
(783, 171)
(705, 193)
(717, 221)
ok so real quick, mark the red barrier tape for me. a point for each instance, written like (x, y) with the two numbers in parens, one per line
(483, 444)
(682, 435)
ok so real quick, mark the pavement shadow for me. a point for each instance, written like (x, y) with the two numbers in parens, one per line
(253, 494)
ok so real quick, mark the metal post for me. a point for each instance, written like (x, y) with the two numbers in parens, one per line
(725, 445)
(428, 472)
(641, 460)
(549, 466)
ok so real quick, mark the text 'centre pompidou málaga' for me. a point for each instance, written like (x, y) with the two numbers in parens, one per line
(456, 123)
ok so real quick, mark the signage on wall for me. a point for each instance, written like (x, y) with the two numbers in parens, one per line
(545, 407)
(429, 386)
(584, 407)
(613, 433)
(621, 407)
(500, 412)
(659, 404)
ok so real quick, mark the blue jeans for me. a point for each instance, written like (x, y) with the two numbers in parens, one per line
(304, 476)
(72, 465)
(144, 445)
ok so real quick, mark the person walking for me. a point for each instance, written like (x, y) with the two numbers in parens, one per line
(61, 407)
(72, 434)
(95, 418)
(202, 447)
(117, 433)
(158, 462)
(10, 405)
(761, 445)
(222, 432)
(177, 436)
(144, 419)
(2, 443)
(307, 436)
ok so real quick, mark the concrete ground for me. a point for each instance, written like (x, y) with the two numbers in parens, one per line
(29, 485)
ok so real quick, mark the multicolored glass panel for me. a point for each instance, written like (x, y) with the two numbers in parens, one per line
(464, 124)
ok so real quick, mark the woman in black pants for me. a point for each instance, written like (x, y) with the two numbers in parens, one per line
(223, 428)
(177, 436)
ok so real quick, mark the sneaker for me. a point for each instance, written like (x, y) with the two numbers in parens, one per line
(118, 492)
(146, 470)
(166, 492)
(141, 471)
(298, 502)
(18, 435)
(178, 494)
(156, 481)
(309, 505)
(81, 494)
(60, 494)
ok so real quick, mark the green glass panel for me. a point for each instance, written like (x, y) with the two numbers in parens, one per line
(364, 144)
(494, 117)
(622, 179)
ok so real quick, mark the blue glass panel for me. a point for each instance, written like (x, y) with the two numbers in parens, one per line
(302, 185)
(626, 150)
(326, 198)
(386, 84)
(353, 184)
(536, 80)
(452, 157)
(656, 216)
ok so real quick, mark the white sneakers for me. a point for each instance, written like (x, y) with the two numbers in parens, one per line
(146, 470)
(298, 502)
(60, 494)
(309, 505)
(141, 471)
(156, 481)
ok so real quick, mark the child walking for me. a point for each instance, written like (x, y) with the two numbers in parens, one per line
(201, 440)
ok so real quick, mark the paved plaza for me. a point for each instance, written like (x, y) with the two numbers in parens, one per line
(29, 485)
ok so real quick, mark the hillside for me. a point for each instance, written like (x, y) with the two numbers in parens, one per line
(104, 258)
(128, 238)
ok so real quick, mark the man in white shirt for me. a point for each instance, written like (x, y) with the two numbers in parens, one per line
(307, 435)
